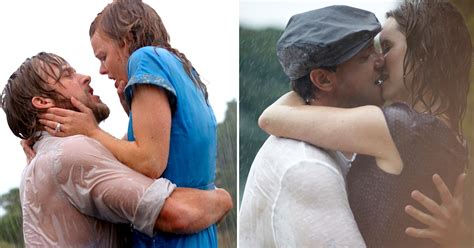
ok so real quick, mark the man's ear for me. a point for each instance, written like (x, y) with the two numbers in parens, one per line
(42, 102)
(323, 79)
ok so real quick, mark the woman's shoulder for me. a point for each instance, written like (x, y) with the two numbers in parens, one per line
(404, 121)
(151, 51)
(398, 108)
(402, 115)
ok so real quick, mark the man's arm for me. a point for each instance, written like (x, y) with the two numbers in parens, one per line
(191, 210)
(100, 186)
(312, 209)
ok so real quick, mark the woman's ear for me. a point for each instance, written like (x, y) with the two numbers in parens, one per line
(322, 79)
(42, 102)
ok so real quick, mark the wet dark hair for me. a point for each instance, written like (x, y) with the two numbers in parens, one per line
(305, 88)
(138, 23)
(28, 81)
(439, 53)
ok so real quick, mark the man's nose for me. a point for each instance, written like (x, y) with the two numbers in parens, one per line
(379, 61)
(86, 79)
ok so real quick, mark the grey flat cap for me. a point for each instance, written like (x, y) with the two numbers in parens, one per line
(324, 37)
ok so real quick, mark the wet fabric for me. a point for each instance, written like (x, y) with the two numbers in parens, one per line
(426, 146)
(193, 141)
(295, 196)
(74, 190)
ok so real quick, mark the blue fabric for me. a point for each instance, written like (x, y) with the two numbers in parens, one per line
(193, 143)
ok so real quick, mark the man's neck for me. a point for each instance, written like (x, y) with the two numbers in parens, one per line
(325, 101)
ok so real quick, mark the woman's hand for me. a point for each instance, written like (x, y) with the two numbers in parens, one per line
(28, 150)
(446, 224)
(64, 122)
(120, 86)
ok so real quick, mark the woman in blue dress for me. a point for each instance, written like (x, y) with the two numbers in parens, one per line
(172, 128)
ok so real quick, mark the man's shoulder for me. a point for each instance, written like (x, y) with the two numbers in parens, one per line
(73, 149)
(77, 145)
(276, 146)
(281, 154)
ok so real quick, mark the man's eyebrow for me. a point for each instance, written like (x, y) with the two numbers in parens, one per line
(67, 68)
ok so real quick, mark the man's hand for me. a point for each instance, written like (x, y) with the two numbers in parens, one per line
(446, 223)
(28, 150)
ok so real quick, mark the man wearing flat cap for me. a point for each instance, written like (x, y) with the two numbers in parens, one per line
(295, 194)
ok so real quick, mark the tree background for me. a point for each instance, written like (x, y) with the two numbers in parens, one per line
(11, 234)
(262, 81)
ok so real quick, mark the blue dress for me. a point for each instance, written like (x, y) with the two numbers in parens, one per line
(193, 142)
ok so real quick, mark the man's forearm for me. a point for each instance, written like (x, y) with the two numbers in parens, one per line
(190, 210)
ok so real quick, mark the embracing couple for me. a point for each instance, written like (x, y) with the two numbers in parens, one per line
(353, 173)
(158, 180)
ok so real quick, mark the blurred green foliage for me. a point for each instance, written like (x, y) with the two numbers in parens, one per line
(262, 81)
(226, 173)
(466, 7)
(11, 223)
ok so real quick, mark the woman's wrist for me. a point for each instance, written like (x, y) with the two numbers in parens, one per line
(95, 133)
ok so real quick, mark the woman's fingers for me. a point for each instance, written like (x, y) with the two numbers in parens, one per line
(426, 202)
(421, 217)
(452, 205)
(60, 111)
(443, 190)
(53, 132)
(459, 188)
(421, 233)
(53, 118)
(54, 128)
(80, 106)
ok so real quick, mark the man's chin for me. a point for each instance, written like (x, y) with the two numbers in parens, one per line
(101, 112)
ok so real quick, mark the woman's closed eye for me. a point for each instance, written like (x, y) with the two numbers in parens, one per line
(386, 47)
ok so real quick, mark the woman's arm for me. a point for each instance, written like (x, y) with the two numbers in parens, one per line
(148, 154)
(361, 130)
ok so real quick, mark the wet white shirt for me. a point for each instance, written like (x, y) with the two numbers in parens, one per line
(295, 196)
(74, 190)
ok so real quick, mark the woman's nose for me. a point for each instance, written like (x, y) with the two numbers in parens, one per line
(102, 70)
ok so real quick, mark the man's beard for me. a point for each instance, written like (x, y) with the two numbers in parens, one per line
(101, 111)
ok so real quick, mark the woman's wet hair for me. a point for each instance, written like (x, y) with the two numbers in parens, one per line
(438, 56)
(141, 26)
(32, 78)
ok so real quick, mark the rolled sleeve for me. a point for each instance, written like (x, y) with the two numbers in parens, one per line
(150, 205)
(98, 185)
